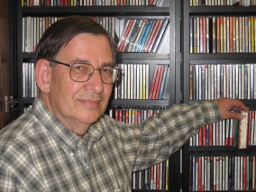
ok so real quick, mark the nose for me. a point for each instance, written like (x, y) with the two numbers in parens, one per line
(95, 81)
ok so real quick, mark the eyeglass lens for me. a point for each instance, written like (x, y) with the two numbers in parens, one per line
(82, 72)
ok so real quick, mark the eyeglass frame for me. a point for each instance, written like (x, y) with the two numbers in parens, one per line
(70, 66)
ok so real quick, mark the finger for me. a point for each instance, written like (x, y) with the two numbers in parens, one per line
(236, 115)
(238, 109)
(239, 105)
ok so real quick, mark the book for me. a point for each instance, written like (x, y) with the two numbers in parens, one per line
(214, 35)
(249, 128)
(142, 37)
(159, 81)
(152, 25)
(24, 79)
(191, 82)
(36, 3)
(127, 38)
(161, 92)
(191, 43)
(242, 138)
(145, 36)
(202, 36)
(231, 50)
(139, 35)
(124, 34)
(197, 35)
(252, 127)
(153, 82)
(149, 44)
(158, 176)
(160, 34)
(134, 34)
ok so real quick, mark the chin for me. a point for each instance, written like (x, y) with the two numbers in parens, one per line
(90, 118)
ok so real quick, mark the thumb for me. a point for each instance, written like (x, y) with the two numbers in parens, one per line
(233, 115)
(230, 108)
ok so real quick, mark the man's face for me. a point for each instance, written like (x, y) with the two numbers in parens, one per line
(79, 104)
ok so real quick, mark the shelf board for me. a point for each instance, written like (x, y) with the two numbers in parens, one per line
(28, 100)
(217, 56)
(222, 10)
(251, 103)
(219, 148)
(95, 10)
(122, 102)
(200, 58)
(147, 190)
(139, 102)
(123, 56)
(144, 56)
(28, 56)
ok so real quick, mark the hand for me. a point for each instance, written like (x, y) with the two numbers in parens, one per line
(227, 105)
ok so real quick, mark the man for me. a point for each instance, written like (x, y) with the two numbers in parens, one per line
(66, 143)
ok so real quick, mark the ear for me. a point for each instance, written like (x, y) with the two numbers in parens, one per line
(43, 75)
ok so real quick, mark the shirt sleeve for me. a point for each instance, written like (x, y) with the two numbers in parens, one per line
(156, 138)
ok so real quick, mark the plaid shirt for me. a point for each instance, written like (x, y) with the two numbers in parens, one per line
(38, 153)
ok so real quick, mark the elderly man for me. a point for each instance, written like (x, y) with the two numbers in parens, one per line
(66, 143)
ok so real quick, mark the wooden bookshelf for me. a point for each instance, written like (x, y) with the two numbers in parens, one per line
(209, 58)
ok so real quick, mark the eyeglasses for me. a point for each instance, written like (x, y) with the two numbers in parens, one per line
(81, 72)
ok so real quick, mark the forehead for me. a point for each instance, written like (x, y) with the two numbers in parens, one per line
(85, 46)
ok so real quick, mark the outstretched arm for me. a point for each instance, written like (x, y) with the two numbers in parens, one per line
(227, 105)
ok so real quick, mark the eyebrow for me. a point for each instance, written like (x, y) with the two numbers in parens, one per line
(108, 64)
(77, 60)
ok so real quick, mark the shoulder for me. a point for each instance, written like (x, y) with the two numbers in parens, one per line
(17, 135)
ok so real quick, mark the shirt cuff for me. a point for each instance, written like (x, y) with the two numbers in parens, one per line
(211, 111)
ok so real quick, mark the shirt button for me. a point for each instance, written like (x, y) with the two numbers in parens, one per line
(71, 154)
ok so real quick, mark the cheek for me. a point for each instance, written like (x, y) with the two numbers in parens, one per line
(108, 91)
(62, 86)
(107, 94)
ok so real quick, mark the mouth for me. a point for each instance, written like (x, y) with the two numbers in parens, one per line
(90, 103)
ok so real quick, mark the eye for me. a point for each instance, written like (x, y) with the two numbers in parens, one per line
(79, 67)
(107, 70)
(84, 68)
